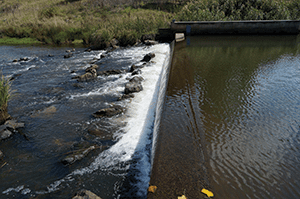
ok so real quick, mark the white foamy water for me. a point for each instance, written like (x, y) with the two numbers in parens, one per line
(135, 141)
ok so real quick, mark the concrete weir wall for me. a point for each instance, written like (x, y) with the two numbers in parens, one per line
(236, 27)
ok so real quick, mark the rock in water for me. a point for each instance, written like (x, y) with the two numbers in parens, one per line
(5, 134)
(132, 87)
(85, 194)
(77, 156)
(109, 112)
(148, 57)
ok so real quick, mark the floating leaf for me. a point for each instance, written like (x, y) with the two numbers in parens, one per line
(208, 193)
(152, 189)
(182, 197)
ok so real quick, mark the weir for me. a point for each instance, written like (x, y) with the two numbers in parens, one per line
(251, 27)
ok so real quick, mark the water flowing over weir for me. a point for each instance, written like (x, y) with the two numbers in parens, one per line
(57, 114)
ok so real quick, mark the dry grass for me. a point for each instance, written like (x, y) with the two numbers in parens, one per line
(63, 21)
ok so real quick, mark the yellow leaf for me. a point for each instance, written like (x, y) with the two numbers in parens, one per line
(182, 197)
(152, 189)
(208, 193)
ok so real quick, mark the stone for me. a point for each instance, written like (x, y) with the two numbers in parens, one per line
(150, 42)
(126, 96)
(24, 59)
(14, 76)
(68, 55)
(135, 67)
(15, 60)
(91, 68)
(5, 134)
(148, 57)
(137, 79)
(91, 75)
(50, 55)
(111, 72)
(13, 124)
(71, 159)
(136, 72)
(132, 87)
(109, 112)
(85, 194)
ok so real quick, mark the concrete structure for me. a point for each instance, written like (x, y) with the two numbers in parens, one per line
(253, 27)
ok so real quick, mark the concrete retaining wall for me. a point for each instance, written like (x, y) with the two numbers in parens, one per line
(236, 27)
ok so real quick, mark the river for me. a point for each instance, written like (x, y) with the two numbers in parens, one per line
(57, 112)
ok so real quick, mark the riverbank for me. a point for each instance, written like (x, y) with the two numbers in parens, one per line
(97, 23)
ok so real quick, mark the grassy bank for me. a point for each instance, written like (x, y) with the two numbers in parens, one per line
(97, 22)
(94, 22)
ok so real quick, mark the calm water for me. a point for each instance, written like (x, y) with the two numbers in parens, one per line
(231, 119)
(57, 112)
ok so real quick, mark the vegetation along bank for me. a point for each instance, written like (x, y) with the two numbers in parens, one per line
(97, 22)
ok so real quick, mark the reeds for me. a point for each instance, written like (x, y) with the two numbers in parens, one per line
(5, 95)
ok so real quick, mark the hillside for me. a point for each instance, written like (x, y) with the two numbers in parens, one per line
(97, 22)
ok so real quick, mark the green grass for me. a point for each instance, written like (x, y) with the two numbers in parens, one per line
(18, 41)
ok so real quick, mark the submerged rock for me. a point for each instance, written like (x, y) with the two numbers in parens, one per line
(89, 69)
(7, 129)
(91, 75)
(148, 57)
(109, 112)
(68, 55)
(71, 159)
(134, 67)
(132, 87)
(137, 79)
(111, 72)
(85, 194)
(126, 96)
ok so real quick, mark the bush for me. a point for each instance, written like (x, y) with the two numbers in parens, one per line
(215, 10)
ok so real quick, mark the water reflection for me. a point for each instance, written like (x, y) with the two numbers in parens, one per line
(235, 101)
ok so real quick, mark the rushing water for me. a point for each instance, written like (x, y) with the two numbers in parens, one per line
(57, 112)
(231, 119)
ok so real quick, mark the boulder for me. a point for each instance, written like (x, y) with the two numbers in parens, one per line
(132, 87)
(5, 134)
(85, 194)
(89, 69)
(111, 72)
(68, 55)
(91, 75)
(136, 72)
(148, 57)
(137, 79)
(150, 42)
(24, 59)
(13, 124)
(109, 112)
(79, 155)
(126, 96)
(134, 67)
